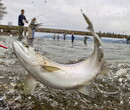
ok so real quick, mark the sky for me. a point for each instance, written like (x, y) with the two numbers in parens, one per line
(106, 15)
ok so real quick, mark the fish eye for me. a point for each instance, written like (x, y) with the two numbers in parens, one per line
(25, 45)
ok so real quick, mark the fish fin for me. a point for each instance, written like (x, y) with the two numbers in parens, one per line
(29, 84)
(104, 68)
(97, 40)
(90, 27)
(50, 68)
(85, 90)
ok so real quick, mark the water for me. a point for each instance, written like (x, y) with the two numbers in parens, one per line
(81, 38)
(108, 92)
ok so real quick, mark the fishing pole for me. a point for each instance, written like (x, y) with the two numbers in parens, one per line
(47, 12)
(3, 46)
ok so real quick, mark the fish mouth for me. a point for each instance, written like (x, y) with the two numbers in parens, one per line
(24, 54)
(18, 46)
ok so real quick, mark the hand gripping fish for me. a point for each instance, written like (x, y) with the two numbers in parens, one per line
(61, 76)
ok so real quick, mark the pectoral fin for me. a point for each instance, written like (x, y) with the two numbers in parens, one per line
(83, 90)
(50, 68)
(104, 68)
(86, 88)
(29, 84)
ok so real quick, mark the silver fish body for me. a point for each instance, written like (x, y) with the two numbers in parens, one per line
(60, 76)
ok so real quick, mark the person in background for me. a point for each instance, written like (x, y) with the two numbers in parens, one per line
(21, 21)
(54, 36)
(128, 40)
(85, 39)
(64, 36)
(31, 31)
(58, 37)
(72, 38)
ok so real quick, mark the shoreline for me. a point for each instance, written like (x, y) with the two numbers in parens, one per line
(9, 33)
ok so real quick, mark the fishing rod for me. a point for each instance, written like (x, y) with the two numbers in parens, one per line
(46, 13)
(7, 47)
(3, 46)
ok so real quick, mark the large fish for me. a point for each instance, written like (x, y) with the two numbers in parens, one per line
(60, 76)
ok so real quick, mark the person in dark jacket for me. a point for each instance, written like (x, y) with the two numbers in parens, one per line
(128, 40)
(85, 39)
(72, 38)
(21, 21)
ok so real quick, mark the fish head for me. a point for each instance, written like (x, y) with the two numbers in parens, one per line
(27, 57)
(25, 54)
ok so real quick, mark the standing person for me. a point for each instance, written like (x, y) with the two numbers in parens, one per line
(72, 38)
(85, 39)
(58, 37)
(54, 36)
(31, 31)
(64, 36)
(128, 40)
(21, 21)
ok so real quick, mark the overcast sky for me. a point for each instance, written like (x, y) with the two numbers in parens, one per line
(106, 15)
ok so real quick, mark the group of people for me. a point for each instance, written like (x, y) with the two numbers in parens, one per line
(56, 36)
(31, 28)
(64, 37)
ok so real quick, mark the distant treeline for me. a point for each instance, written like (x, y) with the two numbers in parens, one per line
(114, 35)
(2, 10)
